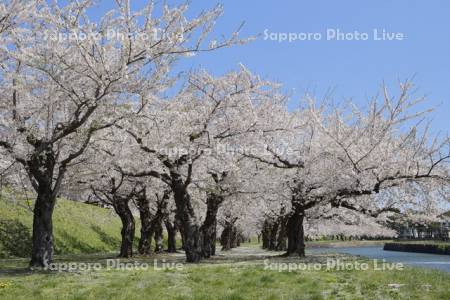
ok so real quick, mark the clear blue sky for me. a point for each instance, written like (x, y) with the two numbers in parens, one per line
(352, 69)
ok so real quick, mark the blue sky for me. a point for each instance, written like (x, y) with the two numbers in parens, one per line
(350, 69)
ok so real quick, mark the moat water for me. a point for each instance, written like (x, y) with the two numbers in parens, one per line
(433, 261)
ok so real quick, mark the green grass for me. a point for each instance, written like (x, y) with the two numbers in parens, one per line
(221, 278)
(81, 228)
(78, 227)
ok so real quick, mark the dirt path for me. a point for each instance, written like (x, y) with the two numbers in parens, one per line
(242, 255)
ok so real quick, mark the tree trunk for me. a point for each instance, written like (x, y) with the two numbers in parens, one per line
(281, 235)
(185, 215)
(145, 242)
(192, 242)
(234, 237)
(158, 220)
(42, 250)
(226, 237)
(265, 234)
(158, 229)
(295, 233)
(239, 238)
(273, 235)
(209, 226)
(180, 228)
(230, 237)
(171, 236)
(128, 226)
(41, 169)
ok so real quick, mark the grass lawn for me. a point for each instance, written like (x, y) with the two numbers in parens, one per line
(83, 230)
(242, 273)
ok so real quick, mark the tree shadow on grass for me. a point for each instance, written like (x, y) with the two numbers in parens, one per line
(106, 238)
(67, 243)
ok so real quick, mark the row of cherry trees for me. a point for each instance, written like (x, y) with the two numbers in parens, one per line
(104, 117)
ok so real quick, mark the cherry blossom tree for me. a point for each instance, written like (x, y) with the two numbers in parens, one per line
(228, 179)
(64, 74)
(191, 128)
(349, 158)
(117, 192)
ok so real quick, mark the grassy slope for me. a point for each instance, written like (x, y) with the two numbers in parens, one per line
(78, 227)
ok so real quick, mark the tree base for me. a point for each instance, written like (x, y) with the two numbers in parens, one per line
(294, 254)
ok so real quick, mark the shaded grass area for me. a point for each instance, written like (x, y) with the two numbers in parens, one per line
(239, 274)
(78, 227)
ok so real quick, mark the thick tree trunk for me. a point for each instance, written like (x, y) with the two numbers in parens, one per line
(209, 226)
(209, 240)
(192, 242)
(158, 220)
(171, 236)
(42, 250)
(295, 233)
(41, 168)
(192, 236)
(226, 237)
(128, 226)
(265, 234)
(145, 242)
(180, 228)
(234, 237)
(281, 235)
(273, 235)
(158, 229)
(230, 237)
